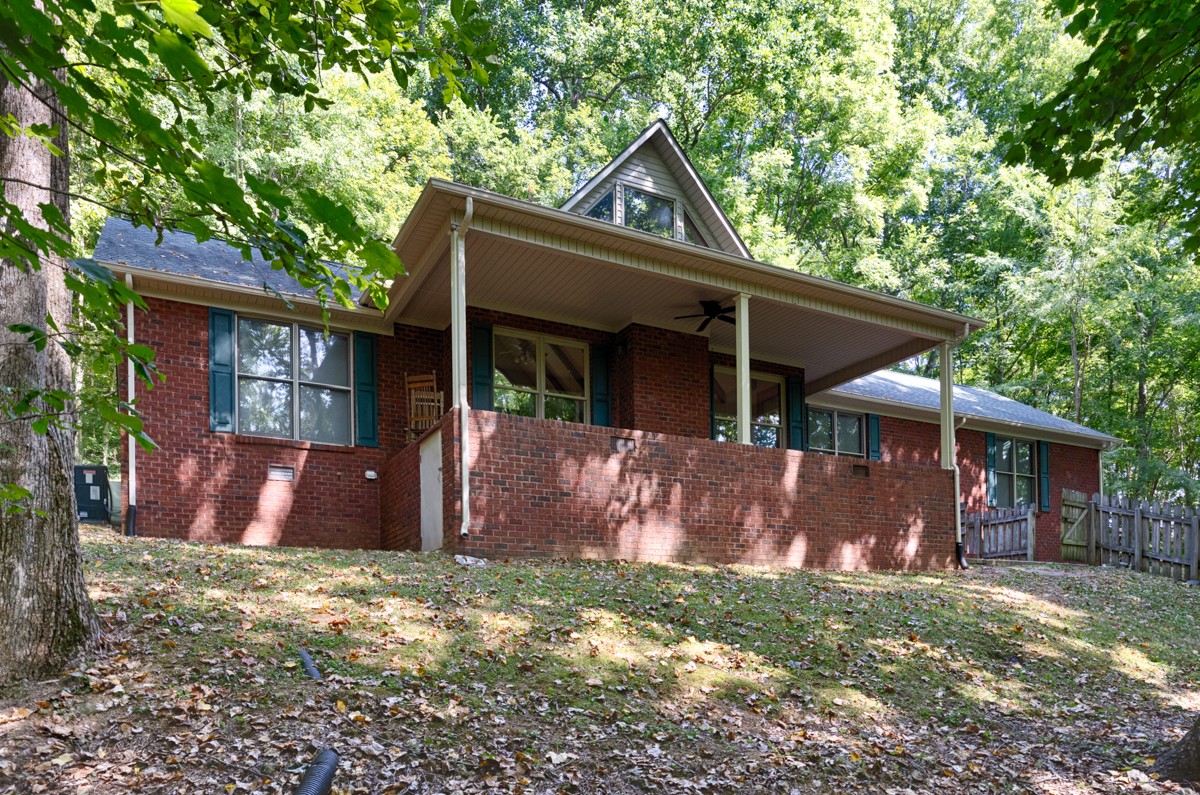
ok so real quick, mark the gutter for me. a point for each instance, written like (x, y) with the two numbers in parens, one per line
(131, 508)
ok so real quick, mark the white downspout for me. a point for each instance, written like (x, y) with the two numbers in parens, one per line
(131, 474)
(458, 334)
(949, 443)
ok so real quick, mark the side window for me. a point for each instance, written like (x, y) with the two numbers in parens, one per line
(1014, 473)
(766, 408)
(836, 432)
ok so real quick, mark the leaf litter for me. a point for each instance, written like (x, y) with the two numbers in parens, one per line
(582, 676)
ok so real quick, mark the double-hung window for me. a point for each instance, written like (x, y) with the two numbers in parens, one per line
(540, 376)
(293, 382)
(766, 408)
(1015, 473)
(836, 432)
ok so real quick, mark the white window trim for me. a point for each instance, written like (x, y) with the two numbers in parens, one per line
(540, 395)
(294, 380)
(775, 379)
(862, 435)
(1034, 476)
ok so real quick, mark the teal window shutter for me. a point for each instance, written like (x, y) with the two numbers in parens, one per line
(797, 414)
(991, 470)
(366, 391)
(481, 366)
(601, 390)
(1044, 473)
(222, 384)
(873, 451)
(712, 402)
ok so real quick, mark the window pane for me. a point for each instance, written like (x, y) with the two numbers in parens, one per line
(724, 395)
(1024, 458)
(849, 434)
(766, 405)
(516, 362)
(1004, 490)
(1024, 495)
(820, 430)
(264, 349)
(564, 369)
(649, 213)
(523, 404)
(1004, 455)
(691, 232)
(558, 408)
(765, 436)
(725, 429)
(264, 407)
(324, 415)
(325, 360)
(603, 208)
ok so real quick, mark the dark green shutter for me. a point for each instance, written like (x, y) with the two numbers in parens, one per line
(991, 469)
(797, 435)
(481, 366)
(601, 397)
(712, 402)
(1044, 472)
(366, 391)
(221, 377)
(873, 437)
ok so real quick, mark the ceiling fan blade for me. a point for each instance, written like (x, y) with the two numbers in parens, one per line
(724, 311)
(704, 325)
(727, 319)
(685, 317)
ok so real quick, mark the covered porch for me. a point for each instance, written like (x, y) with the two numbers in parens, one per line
(631, 469)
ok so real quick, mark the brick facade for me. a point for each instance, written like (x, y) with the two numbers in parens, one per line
(549, 488)
(554, 489)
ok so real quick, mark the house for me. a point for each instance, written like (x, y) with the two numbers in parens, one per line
(621, 379)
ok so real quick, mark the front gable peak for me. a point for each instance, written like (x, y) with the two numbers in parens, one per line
(653, 186)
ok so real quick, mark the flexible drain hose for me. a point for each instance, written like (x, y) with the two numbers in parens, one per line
(310, 667)
(318, 779)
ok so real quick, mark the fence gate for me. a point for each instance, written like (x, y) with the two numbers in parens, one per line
(1005, 533)
(1075, 534)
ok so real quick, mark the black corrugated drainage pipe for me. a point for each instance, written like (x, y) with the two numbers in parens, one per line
(961, 551)
(310, 667)
(130, 520)
(318, 779)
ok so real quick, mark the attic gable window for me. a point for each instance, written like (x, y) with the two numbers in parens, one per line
(603, 209)
(649, 213)
(691, 232)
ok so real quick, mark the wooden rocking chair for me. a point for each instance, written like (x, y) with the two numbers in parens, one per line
(425, 403)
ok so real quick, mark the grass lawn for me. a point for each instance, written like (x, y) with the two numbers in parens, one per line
(577, 676)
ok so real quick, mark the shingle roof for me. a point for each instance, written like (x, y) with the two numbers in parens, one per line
(122, 243)
(969, 401)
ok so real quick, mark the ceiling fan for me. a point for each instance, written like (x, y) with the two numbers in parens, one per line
(712, 310)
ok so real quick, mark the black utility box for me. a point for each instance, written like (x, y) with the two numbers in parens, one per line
(91, 493)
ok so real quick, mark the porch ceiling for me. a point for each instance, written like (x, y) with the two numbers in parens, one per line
(560, 274)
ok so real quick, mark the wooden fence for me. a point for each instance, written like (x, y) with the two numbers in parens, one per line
(1157, 538)
(1002, 534)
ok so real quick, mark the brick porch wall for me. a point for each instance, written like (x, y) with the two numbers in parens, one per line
(558, 489)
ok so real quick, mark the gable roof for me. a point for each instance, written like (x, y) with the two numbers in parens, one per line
(988, 410)
(658, 136)
(122, 243)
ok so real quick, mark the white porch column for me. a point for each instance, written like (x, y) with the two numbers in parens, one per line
(458, 354)
(742, 316)
(949, 445)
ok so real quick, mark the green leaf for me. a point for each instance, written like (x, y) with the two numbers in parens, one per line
(183, 15)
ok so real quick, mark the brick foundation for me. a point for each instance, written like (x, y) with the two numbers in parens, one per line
(559, 489)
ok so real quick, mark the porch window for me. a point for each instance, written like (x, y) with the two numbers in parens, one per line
(766, 408)
(1015, 475)
(836, 432)
(539, 376)
(293, 382)
(649, 213)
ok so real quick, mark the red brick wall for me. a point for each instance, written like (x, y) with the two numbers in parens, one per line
(400, 501)
(552, 488)
(208, 486)
(662, 381)
(1070, 468)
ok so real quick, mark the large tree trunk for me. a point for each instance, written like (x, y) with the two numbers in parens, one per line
(46, 619)
(1182, 762)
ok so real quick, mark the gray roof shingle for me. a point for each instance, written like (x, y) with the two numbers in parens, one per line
(123, 243)
(970, 401)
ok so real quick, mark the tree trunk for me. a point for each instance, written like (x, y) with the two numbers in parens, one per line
(1182, 762)
(46, 619)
